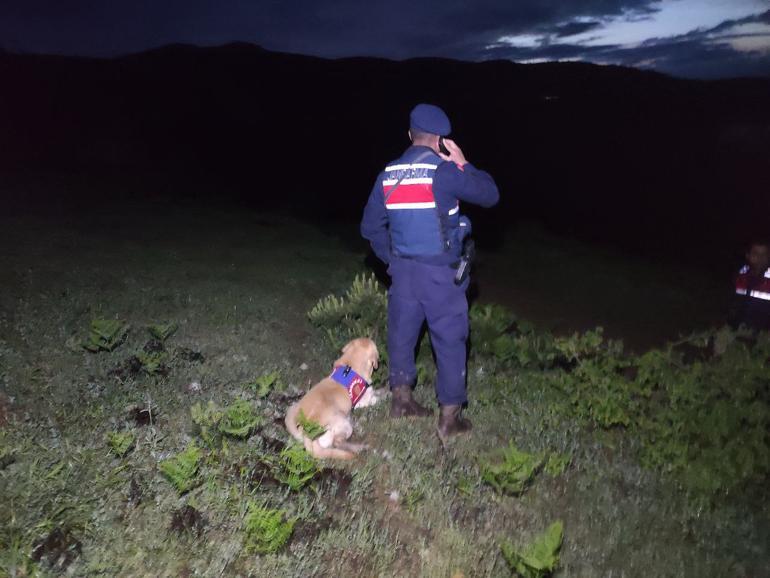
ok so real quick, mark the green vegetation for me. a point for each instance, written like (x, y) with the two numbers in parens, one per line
(239, 419)
(266, 530)
(626, 439)
(704, 420)
(121, 442)
(206, 418)
(514, 473)
(182, 469)
(263, 385)
(310, 428)
(540, 557)
(162, 331)
(361, 311)
(152, 361)
(105, 335)
(296, 467)
(556, 464)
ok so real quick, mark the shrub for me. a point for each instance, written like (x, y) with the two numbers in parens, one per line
(487, 324)
(707, 421)
(513, 474)
(182, 469)
(266, 530)
(596, 386)
(105, 334)
(539, 558)
(531, 349)
(704, 420)
(362, 311)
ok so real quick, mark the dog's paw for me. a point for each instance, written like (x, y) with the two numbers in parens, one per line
(373, 396)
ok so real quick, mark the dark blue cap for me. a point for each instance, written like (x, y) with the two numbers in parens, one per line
(430, 118)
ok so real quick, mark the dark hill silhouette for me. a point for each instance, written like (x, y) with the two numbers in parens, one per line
(601, 151)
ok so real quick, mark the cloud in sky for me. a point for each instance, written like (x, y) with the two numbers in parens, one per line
(704, 45)
(703, 38)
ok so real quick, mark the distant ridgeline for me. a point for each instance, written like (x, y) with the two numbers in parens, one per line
(600, 151)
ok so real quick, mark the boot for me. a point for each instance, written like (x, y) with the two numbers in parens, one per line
(450, 422)
(402, 404)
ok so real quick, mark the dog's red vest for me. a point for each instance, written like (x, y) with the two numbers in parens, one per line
(351, 381)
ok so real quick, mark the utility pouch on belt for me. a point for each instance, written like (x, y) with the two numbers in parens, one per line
(464, 268)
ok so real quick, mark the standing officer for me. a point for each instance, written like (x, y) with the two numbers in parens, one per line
(412, 221)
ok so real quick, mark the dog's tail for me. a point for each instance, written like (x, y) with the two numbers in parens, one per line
(291, 422)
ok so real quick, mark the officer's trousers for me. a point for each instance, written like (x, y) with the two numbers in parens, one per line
(420, 293)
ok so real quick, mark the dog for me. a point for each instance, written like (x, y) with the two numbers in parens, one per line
(330, 401)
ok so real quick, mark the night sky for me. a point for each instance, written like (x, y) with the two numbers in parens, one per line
(693, 38)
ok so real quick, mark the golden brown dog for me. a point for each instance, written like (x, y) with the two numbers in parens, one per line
(328, 403)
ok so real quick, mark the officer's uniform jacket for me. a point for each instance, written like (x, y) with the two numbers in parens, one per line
(414, 207)
(752, 306)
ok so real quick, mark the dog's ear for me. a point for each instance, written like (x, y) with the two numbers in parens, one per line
(344, 359)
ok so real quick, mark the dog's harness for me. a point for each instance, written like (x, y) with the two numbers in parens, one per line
(350, 380)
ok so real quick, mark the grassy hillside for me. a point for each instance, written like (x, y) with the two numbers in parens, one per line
(87, 488)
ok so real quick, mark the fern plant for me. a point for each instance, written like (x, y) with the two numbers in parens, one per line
(162, 331)
(239, 419)
(263, 385)
(310, 428)
(296, 467)
(182, 469)
(556, 464)
(512, 474)
(206, 419)
(152, 361)
(539, 558)
(121, 442)
(266, 530)
(105, 335)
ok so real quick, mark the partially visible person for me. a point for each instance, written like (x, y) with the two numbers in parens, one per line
(751, 302)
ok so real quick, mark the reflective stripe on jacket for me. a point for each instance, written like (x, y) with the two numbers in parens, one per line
(416, 226)
(753, 287)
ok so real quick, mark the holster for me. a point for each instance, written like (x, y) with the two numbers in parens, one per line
(466, 259)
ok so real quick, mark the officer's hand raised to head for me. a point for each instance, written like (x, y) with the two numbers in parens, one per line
(455, 153)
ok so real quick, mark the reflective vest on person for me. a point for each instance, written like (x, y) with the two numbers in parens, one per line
(417, 228)
(745, 284)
